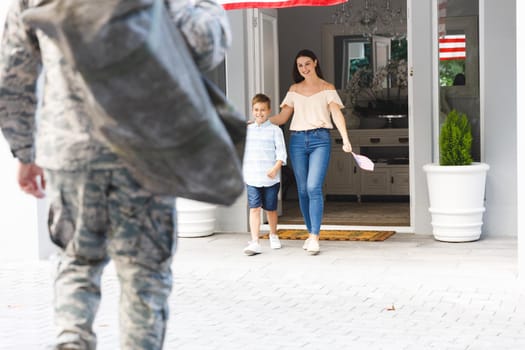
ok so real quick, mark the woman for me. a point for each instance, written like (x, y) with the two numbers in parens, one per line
(311, 101)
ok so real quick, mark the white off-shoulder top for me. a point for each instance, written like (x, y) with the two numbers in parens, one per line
(311, 112)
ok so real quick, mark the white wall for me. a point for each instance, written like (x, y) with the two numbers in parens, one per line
(421, 107)
(520, 159)
(22, 218)
(499, 114)
(235, 217)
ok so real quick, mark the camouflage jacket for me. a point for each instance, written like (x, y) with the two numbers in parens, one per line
(51, 127)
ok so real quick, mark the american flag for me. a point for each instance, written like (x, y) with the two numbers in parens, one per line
(243, 4)
(452, 47)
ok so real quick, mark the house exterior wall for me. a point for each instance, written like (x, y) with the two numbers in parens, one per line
(498, 111)
(23, 221)
(498, 77)
(499, 117)
(520, 159)
(421, 108)
(235, 217)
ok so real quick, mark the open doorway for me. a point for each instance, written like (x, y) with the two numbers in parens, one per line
(353, 57)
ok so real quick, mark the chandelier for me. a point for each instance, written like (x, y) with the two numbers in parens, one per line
(374, 16)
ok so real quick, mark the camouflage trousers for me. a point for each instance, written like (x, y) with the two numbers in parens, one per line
(100, 215)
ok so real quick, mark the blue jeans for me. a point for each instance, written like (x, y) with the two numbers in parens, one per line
(310, 156)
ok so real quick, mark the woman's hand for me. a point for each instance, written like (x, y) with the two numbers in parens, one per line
(347, 147)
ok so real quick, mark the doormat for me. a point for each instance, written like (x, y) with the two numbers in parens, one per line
(336, 235)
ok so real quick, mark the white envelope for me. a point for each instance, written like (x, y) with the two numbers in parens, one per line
(363, 162)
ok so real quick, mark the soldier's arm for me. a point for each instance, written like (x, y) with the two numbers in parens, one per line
(205, 26)
(19, 68)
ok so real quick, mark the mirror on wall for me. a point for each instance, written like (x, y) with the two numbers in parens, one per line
(350, 53)
(371, 75)
(365, 55)
(354, 52)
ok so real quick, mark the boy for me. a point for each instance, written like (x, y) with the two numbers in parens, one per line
(264, 155)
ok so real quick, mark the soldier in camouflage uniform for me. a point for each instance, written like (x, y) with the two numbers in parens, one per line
(97, 210)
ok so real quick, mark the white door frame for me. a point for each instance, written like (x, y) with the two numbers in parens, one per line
(328, 32)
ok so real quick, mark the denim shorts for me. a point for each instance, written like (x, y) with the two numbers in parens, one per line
(265, 197)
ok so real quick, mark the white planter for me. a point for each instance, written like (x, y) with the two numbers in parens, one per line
(456, 195)
(195, 219)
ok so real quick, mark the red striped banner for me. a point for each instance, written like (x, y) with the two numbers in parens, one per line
(242, 4)
(452, 47)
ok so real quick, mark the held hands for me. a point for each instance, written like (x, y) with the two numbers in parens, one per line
(31, 179)
(347, 147)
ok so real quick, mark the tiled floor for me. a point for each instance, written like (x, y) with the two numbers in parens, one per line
(352, 213)
(409, 292)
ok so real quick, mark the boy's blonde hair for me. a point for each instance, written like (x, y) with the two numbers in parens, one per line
(262, 98)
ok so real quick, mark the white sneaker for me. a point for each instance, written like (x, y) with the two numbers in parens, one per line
(275, 243)
(305, 245)
(252, 248)
(313, 247)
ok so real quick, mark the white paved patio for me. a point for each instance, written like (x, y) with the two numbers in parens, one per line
(409, 292)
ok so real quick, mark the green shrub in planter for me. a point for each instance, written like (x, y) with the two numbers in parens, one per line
(455, 140)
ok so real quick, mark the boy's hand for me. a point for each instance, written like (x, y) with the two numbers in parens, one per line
(272, 173)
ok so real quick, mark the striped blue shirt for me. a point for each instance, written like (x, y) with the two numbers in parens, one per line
(264, 147)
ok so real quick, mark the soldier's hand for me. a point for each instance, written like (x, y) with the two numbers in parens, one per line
(31, 179)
